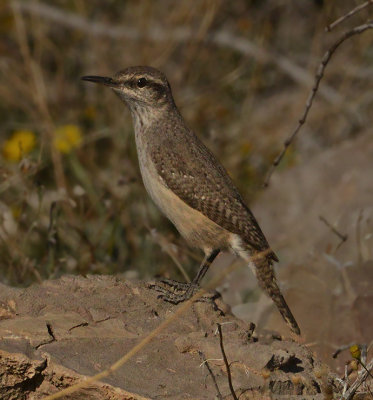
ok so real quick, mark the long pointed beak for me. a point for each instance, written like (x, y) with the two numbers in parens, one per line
(103, 80)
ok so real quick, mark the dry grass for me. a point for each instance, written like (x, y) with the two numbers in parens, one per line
(240, 73)
(242, 105)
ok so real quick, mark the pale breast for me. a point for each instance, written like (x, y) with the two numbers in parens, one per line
(196, 228)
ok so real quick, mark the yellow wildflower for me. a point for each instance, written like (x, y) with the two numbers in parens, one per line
(67, 137)
(355, 351)
(18, 145)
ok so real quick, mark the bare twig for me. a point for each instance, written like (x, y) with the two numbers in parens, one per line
(345, 380)
(366, 368)
(227, 366)
(205, 362)
(319, 75)
(341, 348)
(364, 353)
(359, 353)
(155, 332)
(221, 324)
(342, 236)
(181, 34)
(348, 15)
(358, 382)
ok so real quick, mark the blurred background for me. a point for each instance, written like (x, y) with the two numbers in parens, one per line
(71, 195)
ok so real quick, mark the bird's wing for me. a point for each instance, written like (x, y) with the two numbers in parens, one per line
(193, 173)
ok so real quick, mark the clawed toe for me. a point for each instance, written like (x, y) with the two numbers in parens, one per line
(174, 292)
(177, 292)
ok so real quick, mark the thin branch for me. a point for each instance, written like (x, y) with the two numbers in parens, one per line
(216, 281)
(359, 353)
(342, 236)
(366, 369)
(205, 362)
(226, 363)
(348, 15)
(358, 382)
(319, 75)
(181, 34)
(345, 380)
(342, 348)
(364, 353)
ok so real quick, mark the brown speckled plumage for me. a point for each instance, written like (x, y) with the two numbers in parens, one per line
(193, 173)
(188, 183)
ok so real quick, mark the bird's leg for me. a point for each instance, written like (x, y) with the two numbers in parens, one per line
(207, 261)
(177, 292)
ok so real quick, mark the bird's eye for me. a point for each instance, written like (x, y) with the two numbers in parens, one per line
(142, 82)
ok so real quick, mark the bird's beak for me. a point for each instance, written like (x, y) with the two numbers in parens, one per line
(103, 80)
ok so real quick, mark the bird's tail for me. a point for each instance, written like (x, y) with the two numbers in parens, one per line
(267, 281)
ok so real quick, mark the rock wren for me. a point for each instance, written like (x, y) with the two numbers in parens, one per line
(188, 183)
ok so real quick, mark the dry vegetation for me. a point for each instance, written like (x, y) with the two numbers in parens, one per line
(236, 102)
(72, 199)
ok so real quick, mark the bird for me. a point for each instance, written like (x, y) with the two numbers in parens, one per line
(188, 183)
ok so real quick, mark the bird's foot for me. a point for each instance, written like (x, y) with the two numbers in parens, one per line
(177, 292)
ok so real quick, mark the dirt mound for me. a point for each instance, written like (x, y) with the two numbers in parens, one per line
(56, 333)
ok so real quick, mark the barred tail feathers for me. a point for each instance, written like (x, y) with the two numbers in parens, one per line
(261, 263)
(267, 281)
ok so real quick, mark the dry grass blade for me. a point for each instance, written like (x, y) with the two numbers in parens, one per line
(359, 381)
(221, 38)
(39, 87)
(180, 311)
(318, 77)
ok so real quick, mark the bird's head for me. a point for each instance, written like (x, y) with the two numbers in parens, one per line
(143, 87)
